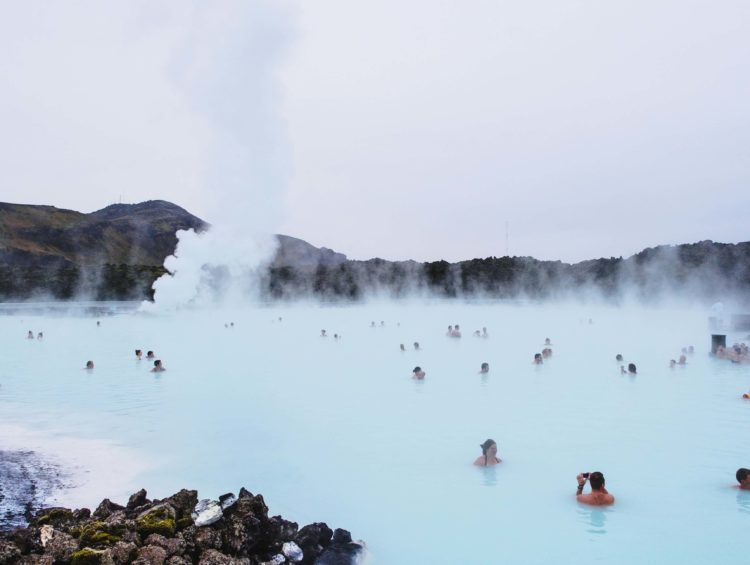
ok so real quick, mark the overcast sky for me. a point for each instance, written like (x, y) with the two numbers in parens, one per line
(394, 129)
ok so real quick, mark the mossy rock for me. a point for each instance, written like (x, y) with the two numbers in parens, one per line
(158, 520)
(185, 522)
(55, 516)
(88, 556)
(101, 534)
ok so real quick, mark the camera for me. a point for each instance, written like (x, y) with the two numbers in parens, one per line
(585, 475)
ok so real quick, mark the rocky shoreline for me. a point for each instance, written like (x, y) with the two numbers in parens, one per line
(178, 530)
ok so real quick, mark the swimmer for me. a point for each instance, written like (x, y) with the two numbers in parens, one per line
(372, 324)
(672, 363)
(89, 365)
(476, 333)
(538, 359)
(150, 355)
(746, 396)
(418, 373)
(416, 346)
(402, 347)
(682, 361)
(547, 341)
(599, 495)
(98, 323)
(546, 352)
(449, 333)
(622, 370)
(485, 368)
(336, 336)
(691, 349)
(484, 333)
(618, 358)
(323, 333)
(40, 335)
(382, 324)
(158, 367)
(30, 335)
(489, 454)
(743, 477)
(631, 369)
(138, 354)
(456, 331)
(231, 324)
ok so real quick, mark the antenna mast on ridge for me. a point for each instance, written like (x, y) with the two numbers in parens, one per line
(507, 244)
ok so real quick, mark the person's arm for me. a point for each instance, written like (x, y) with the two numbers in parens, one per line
(579, 490)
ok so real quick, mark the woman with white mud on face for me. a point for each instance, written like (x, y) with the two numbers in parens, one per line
(489, 454)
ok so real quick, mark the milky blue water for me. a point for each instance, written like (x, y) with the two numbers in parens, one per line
(337, 431)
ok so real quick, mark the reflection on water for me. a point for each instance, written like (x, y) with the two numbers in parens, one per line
(489, 476)
(743, 501)
(594, 517)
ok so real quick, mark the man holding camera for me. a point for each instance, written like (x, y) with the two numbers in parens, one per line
(598, 495)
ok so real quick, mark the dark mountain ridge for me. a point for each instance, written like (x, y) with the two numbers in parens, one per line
(117, 253)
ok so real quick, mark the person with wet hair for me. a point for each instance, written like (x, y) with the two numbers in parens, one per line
(618, 358)
(456, 331)
(40, 335)
(150, 355)
(402, 347)
(489, 454)
(682, 361)
(89, 365)
(485, 368)
(599, 496)
(538, 359)
(632, 369)
(30, 335)
(418, 373)
(138, 354)
(743, 477)
(449, 333)
(546, 353)
(158, 367)
(484, 333)
(672, 363)
(323, 333)
(416, 346)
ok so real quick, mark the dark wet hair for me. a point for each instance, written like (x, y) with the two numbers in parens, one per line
(137, 351)
(157, 362)
(537, 355)
(742, 474)
(618, 357)
(631, 368)
(416, 369)
(485, 365)
(596, 479)
(486, 445)
(150, 353)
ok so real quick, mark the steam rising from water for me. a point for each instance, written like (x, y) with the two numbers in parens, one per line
(225, 65)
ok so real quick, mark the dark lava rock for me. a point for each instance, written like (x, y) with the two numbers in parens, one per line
(61, 547)
(123, 552)
(151, 555)
(162, 533)
(105, 508)
(313, 539)
(342, 551)
(137, 499)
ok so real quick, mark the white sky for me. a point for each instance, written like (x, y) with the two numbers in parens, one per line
(392, 129)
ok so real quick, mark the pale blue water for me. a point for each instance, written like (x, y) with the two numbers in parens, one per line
(337, 431)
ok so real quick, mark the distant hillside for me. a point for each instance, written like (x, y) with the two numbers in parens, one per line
(116, 253)
(131, 234)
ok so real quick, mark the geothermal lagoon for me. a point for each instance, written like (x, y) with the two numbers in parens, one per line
(336, 430)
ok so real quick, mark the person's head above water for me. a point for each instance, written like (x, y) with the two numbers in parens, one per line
(631, 368)
(618, 357)
(416, 345)
(538, 358)
(489, 454)
(743, 477)
(89, 364)
(150, 354)
(402, 347)
(485, 368)
(596, 480)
